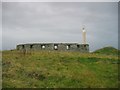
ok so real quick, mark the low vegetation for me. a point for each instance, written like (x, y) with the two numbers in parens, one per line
(51, 69)
(107, 50)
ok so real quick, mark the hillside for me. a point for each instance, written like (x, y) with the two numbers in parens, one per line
(107, 51)
(46, 69)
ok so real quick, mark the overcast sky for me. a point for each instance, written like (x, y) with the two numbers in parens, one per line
(34, 22)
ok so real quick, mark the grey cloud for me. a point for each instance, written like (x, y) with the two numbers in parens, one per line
(60, 22)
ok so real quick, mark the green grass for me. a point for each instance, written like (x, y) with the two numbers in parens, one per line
(108, 51)
(53, 69)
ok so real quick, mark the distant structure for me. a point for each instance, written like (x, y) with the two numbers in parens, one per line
(57, 46)
(84, 36)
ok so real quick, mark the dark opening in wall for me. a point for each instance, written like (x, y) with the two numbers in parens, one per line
(84, 45)
(55, 47)
(78, 46)
(23, 46)
(31, 46)
(68, 47)
(43, 46)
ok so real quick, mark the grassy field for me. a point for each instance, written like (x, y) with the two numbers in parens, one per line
(46, 69)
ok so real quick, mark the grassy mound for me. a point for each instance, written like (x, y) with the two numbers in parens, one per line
(107, 50)
(46, 69)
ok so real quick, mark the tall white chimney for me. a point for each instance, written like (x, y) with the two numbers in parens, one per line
(84, 35)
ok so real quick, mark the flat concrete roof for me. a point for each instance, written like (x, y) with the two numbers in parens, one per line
(52, 43)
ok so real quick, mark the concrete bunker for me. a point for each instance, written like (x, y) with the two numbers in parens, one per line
(54, 46)
(57, 46)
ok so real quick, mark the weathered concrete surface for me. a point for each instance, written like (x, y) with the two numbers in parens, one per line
(54, 46)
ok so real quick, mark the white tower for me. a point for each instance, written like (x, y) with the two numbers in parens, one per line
(84, 35)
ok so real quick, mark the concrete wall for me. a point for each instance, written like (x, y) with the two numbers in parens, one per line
(55, 46)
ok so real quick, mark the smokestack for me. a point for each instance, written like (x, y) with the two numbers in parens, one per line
(84, 35)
